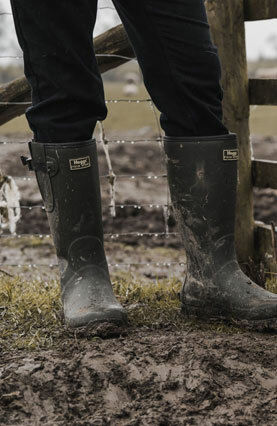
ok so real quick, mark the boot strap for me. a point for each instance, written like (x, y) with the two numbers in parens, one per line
(45, 168)
(49, 167)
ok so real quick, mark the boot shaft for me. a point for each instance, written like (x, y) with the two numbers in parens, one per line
(202, 175)
(68, 179)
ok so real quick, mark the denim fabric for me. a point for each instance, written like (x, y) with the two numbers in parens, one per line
(171, 39)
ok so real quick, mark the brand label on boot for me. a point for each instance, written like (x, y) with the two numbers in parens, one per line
(230, 154)
(79, 163)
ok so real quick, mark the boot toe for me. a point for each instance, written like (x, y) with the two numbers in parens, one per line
(113, 314)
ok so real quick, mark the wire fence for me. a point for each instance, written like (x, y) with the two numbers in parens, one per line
(111, 177)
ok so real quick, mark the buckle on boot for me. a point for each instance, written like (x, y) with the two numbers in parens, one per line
(51, 167)
(27, 161)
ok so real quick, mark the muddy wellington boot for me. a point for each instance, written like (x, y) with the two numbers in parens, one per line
(68, 178)
(202, 174)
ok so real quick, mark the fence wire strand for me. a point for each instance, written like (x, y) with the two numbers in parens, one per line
(121, 206)
(107, 101)
(98, 8)
(117, 265)
(116, 141)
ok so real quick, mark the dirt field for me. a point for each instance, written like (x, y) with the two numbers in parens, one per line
(162, 374)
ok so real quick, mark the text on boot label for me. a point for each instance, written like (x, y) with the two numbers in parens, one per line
(79, 163)
(230, 154)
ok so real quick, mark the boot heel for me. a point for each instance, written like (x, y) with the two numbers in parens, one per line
(201, 312)
(191, 311)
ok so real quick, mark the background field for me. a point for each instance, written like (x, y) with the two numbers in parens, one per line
(125, 116)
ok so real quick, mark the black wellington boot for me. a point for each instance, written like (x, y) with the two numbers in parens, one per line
(68, 178)
(202, 174)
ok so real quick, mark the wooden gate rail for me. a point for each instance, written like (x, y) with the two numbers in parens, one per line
(262, 91)
(266, 246)
(257, 10)
(264, 174)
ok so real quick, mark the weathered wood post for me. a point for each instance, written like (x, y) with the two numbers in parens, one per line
(226, 18)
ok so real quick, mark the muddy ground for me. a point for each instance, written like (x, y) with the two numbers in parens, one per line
(147, 377)
(160, 378)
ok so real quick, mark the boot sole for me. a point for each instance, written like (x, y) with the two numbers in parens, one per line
(267, 325)
(100, 328)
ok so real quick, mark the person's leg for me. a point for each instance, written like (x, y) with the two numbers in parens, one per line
(181, 71)
(180, 64)
(68, 99)
(60, 65)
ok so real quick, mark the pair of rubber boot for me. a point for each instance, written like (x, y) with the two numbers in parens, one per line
(202, 174)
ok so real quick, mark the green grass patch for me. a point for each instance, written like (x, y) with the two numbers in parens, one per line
(28, 241)
(30, 313)
(31, 319)
(271, 285)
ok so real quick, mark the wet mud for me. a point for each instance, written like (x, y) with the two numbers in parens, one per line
(145, 378)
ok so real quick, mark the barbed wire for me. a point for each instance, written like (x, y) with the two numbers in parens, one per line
(98, 8)
(112, 55)
(98, 55)
(15, 103)
(107, 101)
(116, 265)
(106, 7)
(116, 141)
(110, 265)
(121, 206)
(11, 57)
(132, 142)
(106, 235)
(131, 177)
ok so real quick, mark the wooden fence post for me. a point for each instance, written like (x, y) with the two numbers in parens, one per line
(226, 18)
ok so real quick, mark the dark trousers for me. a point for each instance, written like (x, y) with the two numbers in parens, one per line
(171, 39)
